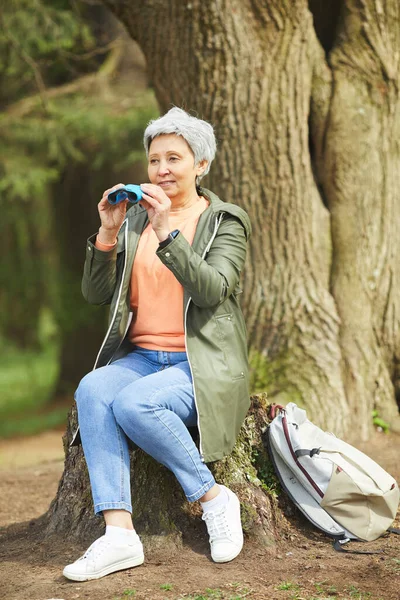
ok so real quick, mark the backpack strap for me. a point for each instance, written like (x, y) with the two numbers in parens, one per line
(303, 452)
(338, 546)
(394, 530)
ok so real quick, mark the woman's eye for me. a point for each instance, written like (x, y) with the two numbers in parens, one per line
(173, 158)
(153, 161)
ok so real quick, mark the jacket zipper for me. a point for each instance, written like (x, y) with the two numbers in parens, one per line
(112, 321)
(216, 227)
(116, 304)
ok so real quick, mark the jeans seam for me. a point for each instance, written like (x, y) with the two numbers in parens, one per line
(170, 430)
(121, 464)
(100, 506)
(183, 446)
(201, 491)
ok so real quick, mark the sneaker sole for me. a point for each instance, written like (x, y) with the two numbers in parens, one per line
(229, 557)
(125, 564)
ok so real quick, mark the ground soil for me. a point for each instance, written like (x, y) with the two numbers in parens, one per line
(306, 565)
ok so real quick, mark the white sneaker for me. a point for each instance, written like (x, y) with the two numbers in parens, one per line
(105, 556)
(225, 529)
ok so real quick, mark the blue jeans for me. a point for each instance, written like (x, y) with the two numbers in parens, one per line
(146, 396)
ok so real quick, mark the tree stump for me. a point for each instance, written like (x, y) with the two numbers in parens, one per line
(161, 514)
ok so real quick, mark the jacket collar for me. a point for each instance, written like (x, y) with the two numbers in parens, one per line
(218, 206)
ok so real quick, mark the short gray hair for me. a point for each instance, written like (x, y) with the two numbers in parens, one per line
(198, 134)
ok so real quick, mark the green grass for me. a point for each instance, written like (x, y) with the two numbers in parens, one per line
(128, 593)
(288, 585)
(26, 382)
(393, 565)
(238, 592)
(356, 594)
(324, 591)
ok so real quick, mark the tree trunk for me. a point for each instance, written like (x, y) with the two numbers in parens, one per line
(308, 145)
(22, 298)
(358, 165)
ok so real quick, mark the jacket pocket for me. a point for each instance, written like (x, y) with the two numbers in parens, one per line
(229, 344)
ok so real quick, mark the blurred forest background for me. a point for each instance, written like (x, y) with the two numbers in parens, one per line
(74, 100)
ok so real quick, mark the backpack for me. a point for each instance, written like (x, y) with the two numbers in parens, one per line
(339, 489)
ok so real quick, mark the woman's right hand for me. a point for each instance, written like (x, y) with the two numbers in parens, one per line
(111, 216)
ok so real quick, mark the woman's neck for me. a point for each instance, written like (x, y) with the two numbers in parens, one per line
(179, 204)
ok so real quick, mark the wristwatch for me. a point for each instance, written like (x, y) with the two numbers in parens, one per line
(169, 239)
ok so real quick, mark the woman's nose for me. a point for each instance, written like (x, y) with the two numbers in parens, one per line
(163, 167)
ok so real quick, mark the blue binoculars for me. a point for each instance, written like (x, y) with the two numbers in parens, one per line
(132, 193)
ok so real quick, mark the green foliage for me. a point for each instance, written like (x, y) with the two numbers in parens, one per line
(26, 382)
(36, 149)
(93, 122)
(37, 40)
(379, 422)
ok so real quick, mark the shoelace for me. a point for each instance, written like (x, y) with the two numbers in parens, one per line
(95, 549)
(217, 524)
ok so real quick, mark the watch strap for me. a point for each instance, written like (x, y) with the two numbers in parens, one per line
(169, 239)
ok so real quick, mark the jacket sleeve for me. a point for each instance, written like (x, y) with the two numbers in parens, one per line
(99, 273)
(211, 280)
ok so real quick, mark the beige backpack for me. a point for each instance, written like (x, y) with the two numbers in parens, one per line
(338, 488)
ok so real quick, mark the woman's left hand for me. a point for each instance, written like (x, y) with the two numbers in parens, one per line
(158, 205)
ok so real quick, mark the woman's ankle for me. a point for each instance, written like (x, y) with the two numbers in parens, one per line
(211, 494)
(118, 518)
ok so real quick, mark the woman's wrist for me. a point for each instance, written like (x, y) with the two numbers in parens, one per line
(107, 237)
(162, 234)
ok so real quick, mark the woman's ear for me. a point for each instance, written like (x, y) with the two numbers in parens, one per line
(201, 167)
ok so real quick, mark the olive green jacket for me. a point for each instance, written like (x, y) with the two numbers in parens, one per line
(215, 332)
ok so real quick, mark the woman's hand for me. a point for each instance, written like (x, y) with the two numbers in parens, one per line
(158, 205)
(111, 217)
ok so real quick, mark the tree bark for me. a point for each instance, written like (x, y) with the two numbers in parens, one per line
(359, 170)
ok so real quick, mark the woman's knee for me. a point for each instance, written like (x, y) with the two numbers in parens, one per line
(125, 407)
(91, 387)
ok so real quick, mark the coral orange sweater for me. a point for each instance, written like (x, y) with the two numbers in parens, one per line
(156, 297)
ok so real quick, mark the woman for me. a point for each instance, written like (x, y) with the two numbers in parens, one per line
(173, 263)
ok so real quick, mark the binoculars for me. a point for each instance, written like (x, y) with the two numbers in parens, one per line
(132, 193)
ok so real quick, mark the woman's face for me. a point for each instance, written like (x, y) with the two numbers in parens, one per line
(171, 166)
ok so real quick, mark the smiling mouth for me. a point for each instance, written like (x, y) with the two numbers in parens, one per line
(165, 182)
